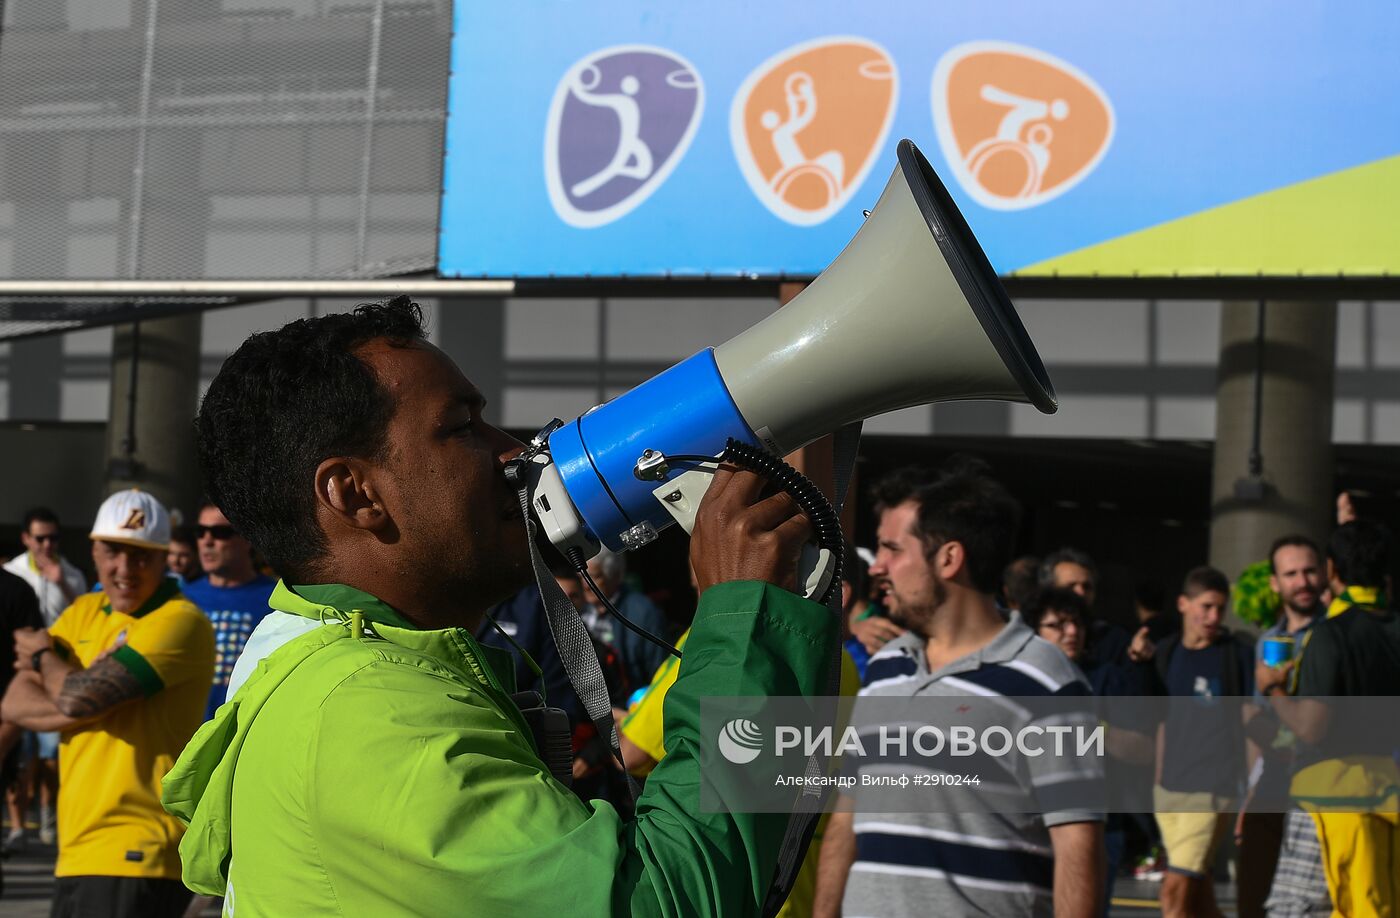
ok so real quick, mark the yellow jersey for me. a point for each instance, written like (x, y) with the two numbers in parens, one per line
(110, 821)
(643, 722)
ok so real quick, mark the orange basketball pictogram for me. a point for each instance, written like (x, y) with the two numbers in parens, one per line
(1018, 126)
(808, 123)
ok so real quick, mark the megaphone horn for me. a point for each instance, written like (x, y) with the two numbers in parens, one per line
(887, 325)
(910, 313)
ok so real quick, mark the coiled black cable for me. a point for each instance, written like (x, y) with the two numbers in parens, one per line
(825, 522)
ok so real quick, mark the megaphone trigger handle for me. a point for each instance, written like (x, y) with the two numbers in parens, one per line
(825, 521)
(825, 574)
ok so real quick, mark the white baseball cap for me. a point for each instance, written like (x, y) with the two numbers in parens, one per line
(133, 517)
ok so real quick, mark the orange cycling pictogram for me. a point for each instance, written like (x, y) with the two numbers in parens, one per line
(1018, 126)
(808, 123)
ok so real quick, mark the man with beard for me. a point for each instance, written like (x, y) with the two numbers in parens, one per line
(1297, 576)
(1345, 773)
(943, 544)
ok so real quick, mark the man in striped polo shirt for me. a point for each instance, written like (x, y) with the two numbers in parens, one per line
(943, 543)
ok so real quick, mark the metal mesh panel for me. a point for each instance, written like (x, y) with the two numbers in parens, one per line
(148, 139)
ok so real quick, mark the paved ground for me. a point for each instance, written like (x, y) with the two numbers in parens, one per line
(29, 882)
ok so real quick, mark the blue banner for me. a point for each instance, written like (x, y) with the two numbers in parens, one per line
(655, 137)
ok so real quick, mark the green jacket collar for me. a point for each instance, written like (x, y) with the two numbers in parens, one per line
(335, 600)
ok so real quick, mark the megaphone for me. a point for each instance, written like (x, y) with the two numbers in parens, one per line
(910, 313)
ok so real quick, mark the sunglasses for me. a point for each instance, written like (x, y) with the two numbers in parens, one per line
(222, 533)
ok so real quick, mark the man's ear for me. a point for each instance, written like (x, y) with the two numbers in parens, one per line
(346, 493)
(950, 560)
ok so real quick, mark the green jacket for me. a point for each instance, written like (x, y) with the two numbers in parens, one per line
(368, 768)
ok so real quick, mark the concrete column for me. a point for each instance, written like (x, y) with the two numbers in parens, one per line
(168, 236)
(1299, 362)
(36, 368)
(167, 387)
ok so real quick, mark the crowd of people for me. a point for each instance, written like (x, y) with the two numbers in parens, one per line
(1291, 855)
(392, 696)
(123, 668)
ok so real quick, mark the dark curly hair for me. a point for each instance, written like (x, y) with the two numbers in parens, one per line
(1054, 599)
(958, 503)
(37, 515)
(282, 403)
(1360, 551)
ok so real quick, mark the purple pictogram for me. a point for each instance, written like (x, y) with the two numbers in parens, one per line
(621, 121)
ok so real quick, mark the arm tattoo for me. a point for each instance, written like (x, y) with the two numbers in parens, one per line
(94, 690)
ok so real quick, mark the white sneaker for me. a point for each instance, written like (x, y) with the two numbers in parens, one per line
(47, 835)
(14, 841)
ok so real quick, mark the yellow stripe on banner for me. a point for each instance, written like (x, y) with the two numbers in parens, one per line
(1342, 223)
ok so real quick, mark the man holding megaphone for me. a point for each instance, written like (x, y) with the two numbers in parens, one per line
(371, 758)
(374, 763)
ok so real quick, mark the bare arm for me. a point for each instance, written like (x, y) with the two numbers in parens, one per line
(1079, 868)
(1131, 746)
(875, 632)
(634, 759)
(88, 694)
(1308, 718)
(52, 571)
(9, 735)
(27, 705)
(838, 853)
(53, 672)
(63, 697)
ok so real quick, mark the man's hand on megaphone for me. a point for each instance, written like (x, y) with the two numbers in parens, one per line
(741, 535)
